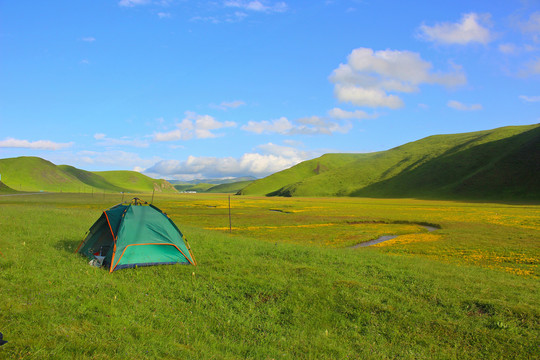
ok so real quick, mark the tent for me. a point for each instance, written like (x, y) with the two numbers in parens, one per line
(135, 234)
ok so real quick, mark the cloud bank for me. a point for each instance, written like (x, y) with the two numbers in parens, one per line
(193, 126)
(314, 125)
(36, 145)
(471, 29)
(463, 107)
(269, 159)
(371, 78)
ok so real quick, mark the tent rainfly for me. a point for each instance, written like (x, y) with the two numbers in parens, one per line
(135, 234)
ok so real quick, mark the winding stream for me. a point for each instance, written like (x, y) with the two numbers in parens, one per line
(388, 237)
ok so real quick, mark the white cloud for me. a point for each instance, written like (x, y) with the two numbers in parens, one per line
(471, 29)
(530, 68)
(172, 135)
(319, 125)
(369, 76)
(132, 3)
(307, 126)
(463, 107)
(338, 113)
(89, 39)
(164, 15)
(280, 126)
(113, 159)
(37, 145)
(124, 141)
(269, 159)
(532, 25)
(508, 48)
(530, 98)
(193, 126)
(257, 6)
(225, 105)
(534, 67)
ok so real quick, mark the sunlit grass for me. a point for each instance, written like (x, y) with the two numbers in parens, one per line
(468, 290)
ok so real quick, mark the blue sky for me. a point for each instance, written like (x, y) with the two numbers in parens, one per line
(183, 89)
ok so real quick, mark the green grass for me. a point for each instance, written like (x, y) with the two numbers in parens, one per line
(499, 164)
(258, 298)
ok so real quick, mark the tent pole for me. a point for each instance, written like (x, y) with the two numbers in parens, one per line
(230, 226)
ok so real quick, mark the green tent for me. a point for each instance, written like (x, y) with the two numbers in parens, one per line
(135, 234)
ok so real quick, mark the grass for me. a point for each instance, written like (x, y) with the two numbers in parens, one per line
(258, 295)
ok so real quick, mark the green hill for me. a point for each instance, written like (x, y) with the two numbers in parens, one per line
(503, 163)
(183, 187)
(304, 170)
(136, 182)
(230, 188)
(36, 174)
(212, 181)
(201, 187)
(4, 189)
(91, 179)
(227, 187)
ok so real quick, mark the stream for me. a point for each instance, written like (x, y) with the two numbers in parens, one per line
(388, 237)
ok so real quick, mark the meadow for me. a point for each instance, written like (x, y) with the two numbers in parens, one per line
(281, 281)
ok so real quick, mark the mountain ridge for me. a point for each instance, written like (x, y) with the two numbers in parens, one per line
(465, 165)
(29, 173)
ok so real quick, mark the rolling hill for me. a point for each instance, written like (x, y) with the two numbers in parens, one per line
(36, 174)
(230, 188)
(4, 189)
(136, 182)
(502, 163)
(213, 181)
(226, 187)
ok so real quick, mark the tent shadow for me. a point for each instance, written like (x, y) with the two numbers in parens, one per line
(67, 245)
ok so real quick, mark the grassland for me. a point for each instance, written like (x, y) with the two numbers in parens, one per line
(284, 284)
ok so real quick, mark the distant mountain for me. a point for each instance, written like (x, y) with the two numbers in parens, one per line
(213, 181)
(230, 188)
(36, 174)
(498, 164)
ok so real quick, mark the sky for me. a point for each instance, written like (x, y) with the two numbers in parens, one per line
(184, 89)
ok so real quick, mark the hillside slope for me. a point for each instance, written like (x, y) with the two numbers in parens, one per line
(493, 164)
(4, 189)
(136, 182)
(302, 171)
(36, 174)
(230, 188)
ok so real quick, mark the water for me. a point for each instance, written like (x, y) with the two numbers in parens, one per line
(388, 237)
